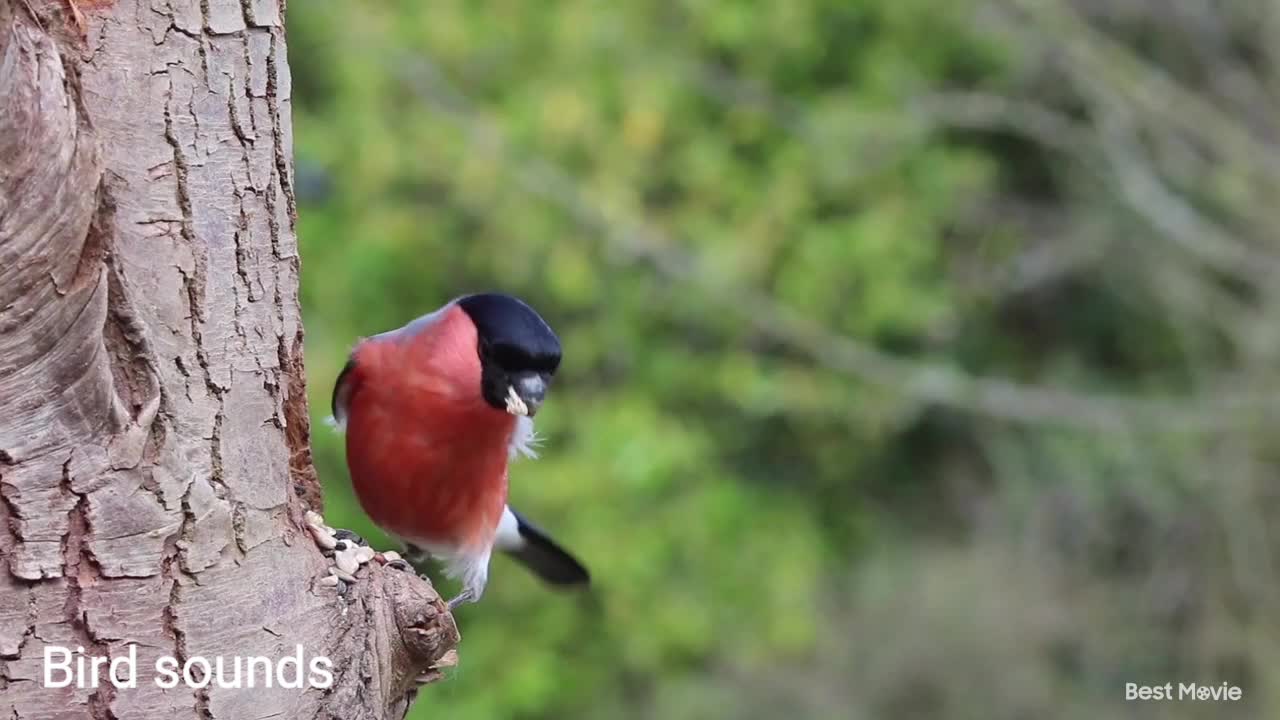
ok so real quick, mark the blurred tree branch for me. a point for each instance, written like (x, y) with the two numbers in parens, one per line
(920, 380)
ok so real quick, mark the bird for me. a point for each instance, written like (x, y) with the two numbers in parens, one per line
(434, 412)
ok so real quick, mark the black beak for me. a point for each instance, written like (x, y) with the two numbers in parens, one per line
(531, 388)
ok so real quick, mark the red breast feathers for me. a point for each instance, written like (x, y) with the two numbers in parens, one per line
(427, 454)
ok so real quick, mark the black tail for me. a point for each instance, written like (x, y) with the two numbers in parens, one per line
(545, 558)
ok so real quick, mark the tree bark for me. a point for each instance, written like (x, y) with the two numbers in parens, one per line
(154, 459)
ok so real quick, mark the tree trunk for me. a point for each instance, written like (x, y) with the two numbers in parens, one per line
(154, 460)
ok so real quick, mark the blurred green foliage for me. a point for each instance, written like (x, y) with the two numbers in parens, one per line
(658, 178)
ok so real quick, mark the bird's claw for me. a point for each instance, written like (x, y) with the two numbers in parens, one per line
(462, 598)
(392, 559)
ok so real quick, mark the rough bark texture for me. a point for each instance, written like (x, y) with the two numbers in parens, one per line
(154, 462)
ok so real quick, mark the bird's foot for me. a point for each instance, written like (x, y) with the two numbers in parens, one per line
(466, 596)
(392, 559)
(348, 550)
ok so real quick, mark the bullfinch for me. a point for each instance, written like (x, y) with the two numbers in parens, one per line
(433, 413)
